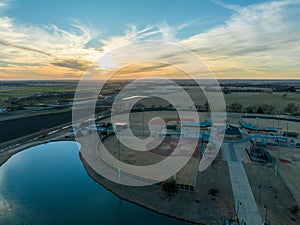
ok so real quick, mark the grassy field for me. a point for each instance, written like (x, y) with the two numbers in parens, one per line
(275, 99)
(27, 91)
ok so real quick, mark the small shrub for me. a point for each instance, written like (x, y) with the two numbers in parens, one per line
(213, 191)
(294, 209)
(169, 186)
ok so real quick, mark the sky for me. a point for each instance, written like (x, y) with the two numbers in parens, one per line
(236, 39)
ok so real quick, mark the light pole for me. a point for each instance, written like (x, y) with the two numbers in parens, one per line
(177, 124)
(143, 118)
(238, 209)
(278, 118)
(266, 213)
(143, 109)
(259, 195)
(257, 118)
(119, 156)
(241, 111)
(287, 125)
(277, 161)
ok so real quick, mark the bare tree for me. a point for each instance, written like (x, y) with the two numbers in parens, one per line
(235, 107)
(291, 108)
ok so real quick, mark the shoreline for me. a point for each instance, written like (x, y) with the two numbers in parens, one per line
(91, 173)
(109, 186)
(207, 212)
(195, 207)
(9, 152)
(96, 177)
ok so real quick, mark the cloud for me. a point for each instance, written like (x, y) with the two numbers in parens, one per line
(45, 45)
(256, 35)
(5, 4)
(132, 34)
(73, 64)
(227, 6)
(259, 40)
(159, 32)
(7, 44)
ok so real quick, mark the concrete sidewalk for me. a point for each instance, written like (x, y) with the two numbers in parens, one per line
(247, 211)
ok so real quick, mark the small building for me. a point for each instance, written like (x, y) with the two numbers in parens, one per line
(271, 129)
(258, 153)
(105, 128)
(120, 125)
(249, 126)
(2, 110)
(191, 125)
(289, 134)
(232, 133)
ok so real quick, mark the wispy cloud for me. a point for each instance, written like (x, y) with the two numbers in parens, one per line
(45, 45)
(257, 41)
(255, 36)
(227, 6)
(132, 34)
(261, 40)
(4, 4)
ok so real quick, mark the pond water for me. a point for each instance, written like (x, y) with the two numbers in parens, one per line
(47, 185)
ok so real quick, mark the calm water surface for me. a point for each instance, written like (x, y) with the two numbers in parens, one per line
(47, 184)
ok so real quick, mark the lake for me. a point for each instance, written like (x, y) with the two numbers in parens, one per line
(47, 185)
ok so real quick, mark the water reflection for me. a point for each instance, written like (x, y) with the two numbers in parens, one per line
(47, 185)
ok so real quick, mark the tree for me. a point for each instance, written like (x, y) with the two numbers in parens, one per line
(226, 90)
(43, 132)
(249, 109)
(170, 106)
(267, 108)
(169, 186)
(12, 100)
(291, 108)
(292, 89)
(235, 107)
(206, 105)
(260, 110)
(294, 209)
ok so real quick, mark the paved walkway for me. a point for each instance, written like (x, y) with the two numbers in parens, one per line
(247, 211)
